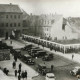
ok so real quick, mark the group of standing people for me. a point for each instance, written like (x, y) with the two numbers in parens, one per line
(19, 73)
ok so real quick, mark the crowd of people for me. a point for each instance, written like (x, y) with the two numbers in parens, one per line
(19, 73)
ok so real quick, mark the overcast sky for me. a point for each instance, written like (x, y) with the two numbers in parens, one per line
(65, 7)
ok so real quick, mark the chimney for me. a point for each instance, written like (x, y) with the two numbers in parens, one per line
(10, 3)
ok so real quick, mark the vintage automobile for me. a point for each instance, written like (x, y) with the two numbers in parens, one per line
(39, 54)
(47, 57)
(28, 46)
(50, 76)
(42, 69)
(33, 51)
(75, 71)
(28, 59)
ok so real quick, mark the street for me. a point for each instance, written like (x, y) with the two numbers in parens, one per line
(62, 66)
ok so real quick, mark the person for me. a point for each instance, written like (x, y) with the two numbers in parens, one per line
(19, 77)
(25, 74)
(52, 67)
(4, 70)
(11, 42)
(14, 64)
(72, 56)
(7, 72)
(15, 73)
(19, 71)
(15, 58)
(20, 65)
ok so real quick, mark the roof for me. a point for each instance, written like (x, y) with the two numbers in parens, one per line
(10, 8)
(50, 74)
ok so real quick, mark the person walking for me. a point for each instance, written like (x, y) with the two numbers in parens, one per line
(14, 64)
(20, 65)
(19, 71)
(19, 77)
(52, 68)
(25, 74)
(72, 56)
(15, 73)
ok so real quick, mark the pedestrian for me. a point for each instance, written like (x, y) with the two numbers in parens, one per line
(15, 73)
(14, 64)
(11, 41)
(72, 56)
(19, 71)
(15, 58)
(7, 71)
(25, 74)
(19, 77)
(52, 68)
(20, 65)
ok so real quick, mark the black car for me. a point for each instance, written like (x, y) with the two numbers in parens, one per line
(42, 69)
(39, 54)
(47, 57)
(28, 60)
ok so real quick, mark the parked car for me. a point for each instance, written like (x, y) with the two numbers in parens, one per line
(33, 51)
(75, 71)
(28, 59)
(50, 76)
(47, 57)
(28, 46)
(39, 54)
(43, 69)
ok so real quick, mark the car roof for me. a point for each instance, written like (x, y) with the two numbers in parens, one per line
(27, 55)
(77, 67)
(50, 74)
(42, 64)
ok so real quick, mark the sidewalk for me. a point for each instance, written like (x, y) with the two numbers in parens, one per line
(8, 64)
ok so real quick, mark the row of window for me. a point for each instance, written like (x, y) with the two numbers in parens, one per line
(10, 24)
(13, 16)
(46, 29)
(47, 21)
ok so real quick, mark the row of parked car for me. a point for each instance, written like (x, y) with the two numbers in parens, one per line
(37, 52)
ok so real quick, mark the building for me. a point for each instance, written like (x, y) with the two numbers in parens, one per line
(10, 19)
(50, 27)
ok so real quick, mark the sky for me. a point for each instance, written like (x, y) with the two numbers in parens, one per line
(67, 8)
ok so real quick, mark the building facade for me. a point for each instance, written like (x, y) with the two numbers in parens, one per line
(10, 19)
(50, 27)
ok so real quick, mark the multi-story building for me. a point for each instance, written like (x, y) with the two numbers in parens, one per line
(10, 19)
(50, 27)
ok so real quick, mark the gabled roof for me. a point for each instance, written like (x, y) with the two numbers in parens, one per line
(10, 8)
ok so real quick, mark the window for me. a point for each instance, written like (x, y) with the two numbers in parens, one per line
(6, 16)
(48, 22)
(14, 24)
(63, 27)
(52, 21)
(47, 29)
(10, 24)
(19, 16)
(6, 24)
(19, 24)
(11, 16)
(2, 24)
(15, 16)
(45, 22)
